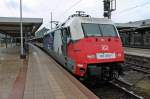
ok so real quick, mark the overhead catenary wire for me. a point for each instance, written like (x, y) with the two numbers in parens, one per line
(72, 6)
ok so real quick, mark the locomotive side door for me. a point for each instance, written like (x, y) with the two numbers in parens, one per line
(64, 42)
(66, 38)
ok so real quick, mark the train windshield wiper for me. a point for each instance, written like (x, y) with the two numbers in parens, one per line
(93, 35)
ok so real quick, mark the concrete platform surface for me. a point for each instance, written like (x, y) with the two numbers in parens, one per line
(37, 77)
(48, 80)
(138, 52)
(10, 65)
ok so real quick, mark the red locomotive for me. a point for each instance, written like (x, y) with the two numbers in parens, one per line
(87, 47)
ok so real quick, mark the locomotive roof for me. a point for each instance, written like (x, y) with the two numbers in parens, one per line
(88, 20)
(72, 22)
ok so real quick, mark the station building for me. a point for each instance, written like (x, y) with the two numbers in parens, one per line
(135, 34)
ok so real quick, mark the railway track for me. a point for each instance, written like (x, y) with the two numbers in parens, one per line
(114, 90)
(138, 68)
(138, 63)
(127, 89)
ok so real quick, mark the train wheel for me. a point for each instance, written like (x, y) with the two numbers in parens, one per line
(106, 74)
(115, 75)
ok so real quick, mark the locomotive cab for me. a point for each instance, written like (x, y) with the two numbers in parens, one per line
(96, 47)
(87, 47)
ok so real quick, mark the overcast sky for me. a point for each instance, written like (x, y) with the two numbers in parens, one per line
(127, 10)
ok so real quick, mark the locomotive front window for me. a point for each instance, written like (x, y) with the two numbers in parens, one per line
(108, 30)
(91, 29)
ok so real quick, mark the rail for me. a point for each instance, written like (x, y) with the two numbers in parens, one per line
(129, 94)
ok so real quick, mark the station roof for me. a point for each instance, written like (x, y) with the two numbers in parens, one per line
(11, 25)
(40, 33)
(125, 25)
(139, 29)
(135, 24)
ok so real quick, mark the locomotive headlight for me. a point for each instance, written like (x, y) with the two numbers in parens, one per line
(91, 56)
(80, 65)
(118, 55)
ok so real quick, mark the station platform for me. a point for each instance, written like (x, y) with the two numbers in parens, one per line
(137, 52)
(10, 65)
(38, 77)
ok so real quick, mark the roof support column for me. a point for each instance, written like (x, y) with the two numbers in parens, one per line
(11, 41)
(6, 40)
(22, 56)
(142, 37)
(1, 41)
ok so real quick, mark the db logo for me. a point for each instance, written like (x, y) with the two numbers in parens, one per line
(105, 47)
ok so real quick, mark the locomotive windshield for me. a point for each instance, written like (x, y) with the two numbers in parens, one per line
(91, 29)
